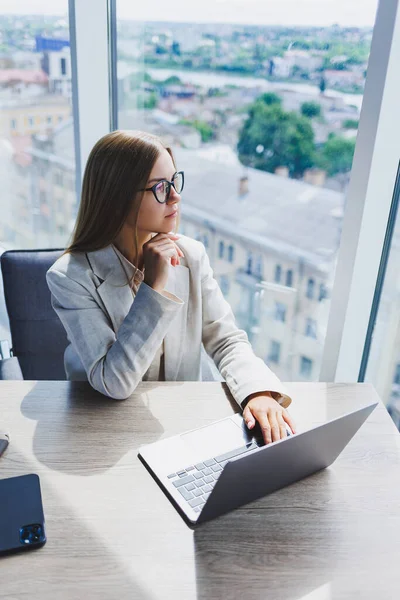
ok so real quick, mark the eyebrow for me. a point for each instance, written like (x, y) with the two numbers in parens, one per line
(161, 178)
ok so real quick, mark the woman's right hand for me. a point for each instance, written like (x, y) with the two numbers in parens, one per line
(158, 253)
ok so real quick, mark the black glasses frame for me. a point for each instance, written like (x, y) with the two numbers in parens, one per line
(153, 187)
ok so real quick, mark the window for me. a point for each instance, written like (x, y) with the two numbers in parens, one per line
(280, 312)
(310, 288)
(311, 328)
(278, 274)
(259, 266)
(323, 292)
(383, 366)
(274, 355)
(205, 240)
(306, 366)
(173, 80)
(224, 284)
(63, 66)
(28, 174)
(396, 379)
(249, 263)
(58, 178)
(60, 118)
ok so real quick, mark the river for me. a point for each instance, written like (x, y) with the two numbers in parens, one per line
(206, 78)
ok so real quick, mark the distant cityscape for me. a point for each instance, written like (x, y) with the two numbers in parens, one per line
(263, 121)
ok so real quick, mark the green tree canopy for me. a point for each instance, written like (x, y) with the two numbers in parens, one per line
(350, 124)
(173, 80)
(310, 109)
(337, 155)
(272, 137)
(269, 98)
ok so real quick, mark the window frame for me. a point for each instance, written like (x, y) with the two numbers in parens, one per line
(368, 204)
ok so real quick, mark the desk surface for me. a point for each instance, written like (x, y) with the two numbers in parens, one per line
(112, 534)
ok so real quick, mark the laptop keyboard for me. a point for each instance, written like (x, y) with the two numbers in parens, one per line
(195, 483)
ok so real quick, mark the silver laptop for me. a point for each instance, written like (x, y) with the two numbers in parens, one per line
(209, 471)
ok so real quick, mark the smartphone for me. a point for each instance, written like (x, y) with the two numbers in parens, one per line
(4, 441)
(21, 514)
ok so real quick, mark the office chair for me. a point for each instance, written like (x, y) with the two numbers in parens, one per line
(37, 335)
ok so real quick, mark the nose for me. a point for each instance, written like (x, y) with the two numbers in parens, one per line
(174, 197)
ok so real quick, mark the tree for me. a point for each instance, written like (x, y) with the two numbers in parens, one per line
(322, 85)
(173, 80)
(310, 109)
(272, 137)
(269, 98)
(337, 155)
(350, 124)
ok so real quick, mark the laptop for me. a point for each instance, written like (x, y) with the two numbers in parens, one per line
(212, 470)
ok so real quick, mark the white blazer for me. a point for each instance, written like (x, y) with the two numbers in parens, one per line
(114, 337)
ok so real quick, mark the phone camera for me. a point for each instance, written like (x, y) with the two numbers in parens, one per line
(31, 534)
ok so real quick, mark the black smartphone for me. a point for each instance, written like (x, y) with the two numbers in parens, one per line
(21, 514)
(4, 441)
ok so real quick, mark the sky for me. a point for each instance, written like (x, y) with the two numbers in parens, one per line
(269, 12)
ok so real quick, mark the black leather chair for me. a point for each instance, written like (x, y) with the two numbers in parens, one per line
(37, 335)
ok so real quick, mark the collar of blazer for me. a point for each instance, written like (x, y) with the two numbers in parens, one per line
(117, 299)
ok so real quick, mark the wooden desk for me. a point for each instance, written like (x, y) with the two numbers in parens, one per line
(112, 534)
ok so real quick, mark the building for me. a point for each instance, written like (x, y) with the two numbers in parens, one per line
(276, 272)
(32, 115)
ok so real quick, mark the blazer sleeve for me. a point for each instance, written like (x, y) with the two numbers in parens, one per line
(230, 348)
(114, 363)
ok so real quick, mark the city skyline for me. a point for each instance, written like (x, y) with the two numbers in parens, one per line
(274, 12)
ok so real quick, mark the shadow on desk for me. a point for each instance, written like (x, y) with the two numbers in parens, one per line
(82, 432)
(269, 549)
(74, 562)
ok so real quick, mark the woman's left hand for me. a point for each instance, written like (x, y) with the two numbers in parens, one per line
(271, 416)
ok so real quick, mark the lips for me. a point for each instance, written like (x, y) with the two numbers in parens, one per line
(173, 214)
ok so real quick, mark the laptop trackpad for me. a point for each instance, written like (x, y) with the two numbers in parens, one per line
(215, 439)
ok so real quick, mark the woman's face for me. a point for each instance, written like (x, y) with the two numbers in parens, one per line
(154, 217)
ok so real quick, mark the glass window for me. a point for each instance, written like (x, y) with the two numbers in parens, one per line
(224, 284)
(278, 274)
(323, 292)
(310, 288)
(31, 50)
(280, 312)
(311, 328)
(225, 97)
(249, 264)
(63, 66)
(306, 365)
(259, 267)
(231, 253)
(383, 367)
(274, 352)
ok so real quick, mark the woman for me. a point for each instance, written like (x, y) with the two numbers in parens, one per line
(138, 301)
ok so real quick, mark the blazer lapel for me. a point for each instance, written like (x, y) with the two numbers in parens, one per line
(117, 299)
(113, 288)
(178, 284)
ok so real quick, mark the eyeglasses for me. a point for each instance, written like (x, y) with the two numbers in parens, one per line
(162, 189)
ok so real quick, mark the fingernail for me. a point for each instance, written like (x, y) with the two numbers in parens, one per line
(249, 424)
